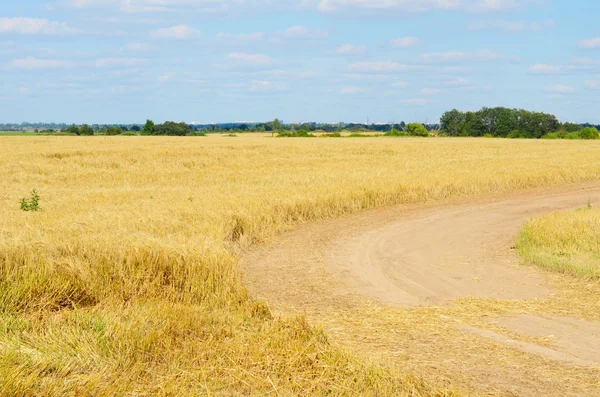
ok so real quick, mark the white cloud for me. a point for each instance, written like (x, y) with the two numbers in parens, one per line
(31, 63)
(416, 101)
(542, 68)
(177, 32)
(430, 91)
(412, 6)
(32, 26)
(400, 84)
(461, 56)
(268, 86)
(457, 82)
(589, 43)
(301, 32)
(511, 26)
(351, 90)
(559, 88)
(138, 47)
(118, 62)
(249, 59)
(166, 77)
(23, 90)
(404, 42)
(593, 84)
(346, 49)
(242, 38)
(380, 67)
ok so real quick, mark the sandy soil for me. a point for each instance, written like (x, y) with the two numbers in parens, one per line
(437, 289)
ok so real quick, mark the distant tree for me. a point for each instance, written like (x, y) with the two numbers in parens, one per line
(277, 127)
(136, 128)
(86, 130)
(113, 131)
(571, 127)
(72, 129)
(173, 129)
(243, 127)
(149, 128)
(589, 133)
(124, 128)
(452, 122)
(416, 129)
(340, 127)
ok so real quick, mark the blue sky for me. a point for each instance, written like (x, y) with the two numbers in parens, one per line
(121, 61)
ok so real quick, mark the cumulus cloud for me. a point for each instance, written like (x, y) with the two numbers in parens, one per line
(542, 68)
(351, 90)
(268, 86)
(380, 67)
(33, 26)
(243, 58)
(511, 26)
(118, 62)
(180, 32)
(416, 101)
(346, 49)
(560, 88)
(400, 84)
(457, 82)
(31, 63)
(589, 43)
(242, 38)
(430, 91)
(593, 84)
(411, 6)
(404, 42)
(461, 56)
(302, 32)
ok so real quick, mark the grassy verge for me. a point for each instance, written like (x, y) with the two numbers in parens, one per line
(565, 242)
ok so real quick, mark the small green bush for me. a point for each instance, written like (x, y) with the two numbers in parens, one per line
(332, 135)
(514, 134)
(33, 204)
(295, 134)
(395, 132)
(416, 129)
(197, 133)
(572, 135)
(589, 133)
(128, 133)
(488, 136)
(551, 135)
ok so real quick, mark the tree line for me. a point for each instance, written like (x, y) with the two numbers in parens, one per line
(511, 123)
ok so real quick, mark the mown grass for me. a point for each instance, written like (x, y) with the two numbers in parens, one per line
(565, 242)
(127, 279)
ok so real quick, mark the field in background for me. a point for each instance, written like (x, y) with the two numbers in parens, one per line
(565, 242)
(127, 280)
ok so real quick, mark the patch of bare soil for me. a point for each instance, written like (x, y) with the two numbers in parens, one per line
(437, 290)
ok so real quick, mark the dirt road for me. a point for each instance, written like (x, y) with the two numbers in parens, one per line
(424, 284)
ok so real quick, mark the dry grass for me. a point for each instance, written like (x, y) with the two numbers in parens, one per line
(127, 280)
(566, 242)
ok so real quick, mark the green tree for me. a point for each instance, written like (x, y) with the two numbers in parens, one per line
(452, 122)
(113, 131)
(589, 133)
(277, 127)
(173, 129)
(86, 130)
(416, 129)
(72, 129)
(149, 128)
(136, 128)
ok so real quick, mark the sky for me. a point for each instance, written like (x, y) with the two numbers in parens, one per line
(208, 61)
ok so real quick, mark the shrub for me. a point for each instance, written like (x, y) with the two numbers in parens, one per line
(332, 135)
(295, 134)
(589, 133)
(395, 132)
(572, 135)
(551, 135)
(128, 133)
(416, 129)
(33, 204)
(197, 133)
(514, 134)
(113, 131)
(488, 136)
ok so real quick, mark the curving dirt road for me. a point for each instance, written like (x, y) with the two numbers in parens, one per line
(420, 258)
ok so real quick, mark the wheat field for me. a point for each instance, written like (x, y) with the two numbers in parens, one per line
(564, 241)
(126, 281)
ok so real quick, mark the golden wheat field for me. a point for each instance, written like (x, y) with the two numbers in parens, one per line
(127, 282)
(566, 242)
